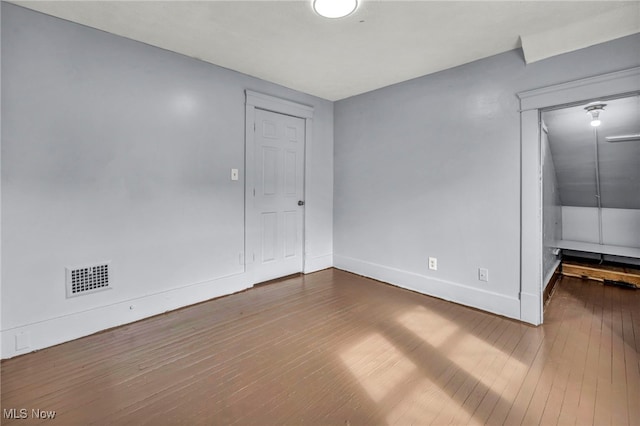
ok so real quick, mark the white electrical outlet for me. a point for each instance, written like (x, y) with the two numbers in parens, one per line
(433, 263)
(483, 274)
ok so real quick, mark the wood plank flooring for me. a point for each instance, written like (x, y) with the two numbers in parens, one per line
(335, 348)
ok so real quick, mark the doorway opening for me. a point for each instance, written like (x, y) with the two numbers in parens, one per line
(591, 189)
(613, 85)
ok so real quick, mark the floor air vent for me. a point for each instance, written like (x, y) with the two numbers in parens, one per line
(88, 279)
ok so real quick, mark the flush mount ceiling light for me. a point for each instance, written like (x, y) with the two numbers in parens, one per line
(594, 109)
(334, 8)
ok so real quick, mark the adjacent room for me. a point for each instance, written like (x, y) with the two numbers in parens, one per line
(351, 212)
(592, 183)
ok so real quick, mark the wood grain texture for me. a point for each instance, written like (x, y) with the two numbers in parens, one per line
(602, 272)
(336, 348)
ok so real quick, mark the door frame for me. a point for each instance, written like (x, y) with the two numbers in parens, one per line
(532, 102)
(253, 101)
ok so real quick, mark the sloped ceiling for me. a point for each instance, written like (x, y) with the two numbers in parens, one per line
(573, 148)
(382, 43)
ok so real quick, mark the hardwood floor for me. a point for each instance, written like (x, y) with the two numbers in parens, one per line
(335, 348)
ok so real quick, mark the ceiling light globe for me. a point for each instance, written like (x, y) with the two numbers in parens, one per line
(593, 110)
(334, 8)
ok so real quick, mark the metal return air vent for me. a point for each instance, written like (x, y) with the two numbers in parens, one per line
(88, 279)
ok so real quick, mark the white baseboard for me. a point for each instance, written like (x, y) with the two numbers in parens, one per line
(73, 326)
(318, 263)
(65, 328)
(552, 271)
(469, 296)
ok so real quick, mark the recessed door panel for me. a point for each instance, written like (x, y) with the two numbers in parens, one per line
(290, 233)
(270, 170)
(269, 236)
(290, 175)
(269, 129)
(292, 133)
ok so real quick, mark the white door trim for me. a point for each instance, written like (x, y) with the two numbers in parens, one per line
(256, 100)
(531, 102)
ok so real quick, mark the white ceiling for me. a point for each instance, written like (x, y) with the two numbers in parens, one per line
(573, 148)
(382, 43)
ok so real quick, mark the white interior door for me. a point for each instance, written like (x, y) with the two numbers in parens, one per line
(278, 194)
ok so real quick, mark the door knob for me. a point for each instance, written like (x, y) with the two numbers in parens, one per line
(301, 203)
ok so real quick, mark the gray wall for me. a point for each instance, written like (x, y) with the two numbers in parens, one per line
(115, 150)
(620, 227)
(551, 210)
(431, 167)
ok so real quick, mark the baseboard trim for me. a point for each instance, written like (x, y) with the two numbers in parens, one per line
(318, 263)
(455, 292)
(551, 280)
(73, 326)
(551, 275)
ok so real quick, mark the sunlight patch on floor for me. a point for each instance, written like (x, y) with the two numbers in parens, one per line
(411, 389)
(378, 365)
(421, 405)
(428, 325)
(459, 346)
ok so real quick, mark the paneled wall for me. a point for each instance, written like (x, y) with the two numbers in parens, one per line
(620, 227)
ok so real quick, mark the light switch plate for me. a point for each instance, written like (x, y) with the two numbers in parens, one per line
(234, 174)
